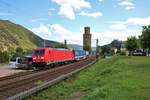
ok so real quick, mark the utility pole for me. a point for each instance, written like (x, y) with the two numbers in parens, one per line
(65, 42)
(97, 49)
(44, 43)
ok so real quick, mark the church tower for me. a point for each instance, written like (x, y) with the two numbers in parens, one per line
(87, 39)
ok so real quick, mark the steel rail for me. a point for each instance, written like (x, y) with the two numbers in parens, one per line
(46, 84)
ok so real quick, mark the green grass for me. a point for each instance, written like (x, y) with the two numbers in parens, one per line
(118, 78)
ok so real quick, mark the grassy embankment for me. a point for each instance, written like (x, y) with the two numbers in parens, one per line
(118, 78)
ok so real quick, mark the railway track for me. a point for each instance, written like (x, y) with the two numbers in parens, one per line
(15, 75)
(20, 74)
(15, 85)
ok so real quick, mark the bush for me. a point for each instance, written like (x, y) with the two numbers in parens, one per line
(118, 51)
(122, 53)
(4, 56)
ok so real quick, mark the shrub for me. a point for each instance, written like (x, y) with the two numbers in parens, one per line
(4, 56)
(122, 53)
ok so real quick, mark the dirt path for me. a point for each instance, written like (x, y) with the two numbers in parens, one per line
(5, 70)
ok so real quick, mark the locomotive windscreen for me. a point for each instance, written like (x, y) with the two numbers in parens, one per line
(13, 59)
(39, 52)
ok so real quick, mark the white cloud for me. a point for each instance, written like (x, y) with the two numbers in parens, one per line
(100, 0)
(76, 4)
(129, 7)
(127, 4)
(126, 0)
(50, 11)
(59, 33)
(123, 29)
(134, 22)
(118, 26)
(38, 19)
(94, 15)
(130, 27)
(119, 30)
(107, 36)
(139, 21)
(69, 7)
(67, 11)
(42, 31)
(59, 30)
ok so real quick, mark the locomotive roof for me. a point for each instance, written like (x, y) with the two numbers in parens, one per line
(42, 48)
(61, 49)
(51, 48)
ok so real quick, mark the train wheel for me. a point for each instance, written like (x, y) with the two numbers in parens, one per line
(52, 65)
(34, 68)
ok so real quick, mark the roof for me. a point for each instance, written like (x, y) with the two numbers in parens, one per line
(42, 48)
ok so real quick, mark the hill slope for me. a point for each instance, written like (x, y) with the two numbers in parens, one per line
(14, 35)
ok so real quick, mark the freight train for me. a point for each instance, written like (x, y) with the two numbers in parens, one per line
(49, 56)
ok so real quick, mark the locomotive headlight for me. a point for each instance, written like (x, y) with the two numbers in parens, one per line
(34, 58)
(42, 57)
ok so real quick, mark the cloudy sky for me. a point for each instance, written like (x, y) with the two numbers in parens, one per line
(65, 19)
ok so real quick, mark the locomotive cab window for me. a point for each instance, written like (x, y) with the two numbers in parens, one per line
(13, 59)
(39, 52)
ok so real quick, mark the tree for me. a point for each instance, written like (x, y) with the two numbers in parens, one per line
(60, 45)
(4, 56)
(19, 52)
(105, 49)
(131, 44)
(1, 57)
(11, 51)
(116, 44)
(145, 37)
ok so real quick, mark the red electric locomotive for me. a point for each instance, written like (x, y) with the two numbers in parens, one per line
(47, 56)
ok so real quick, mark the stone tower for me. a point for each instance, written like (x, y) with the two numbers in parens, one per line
(87, 39)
